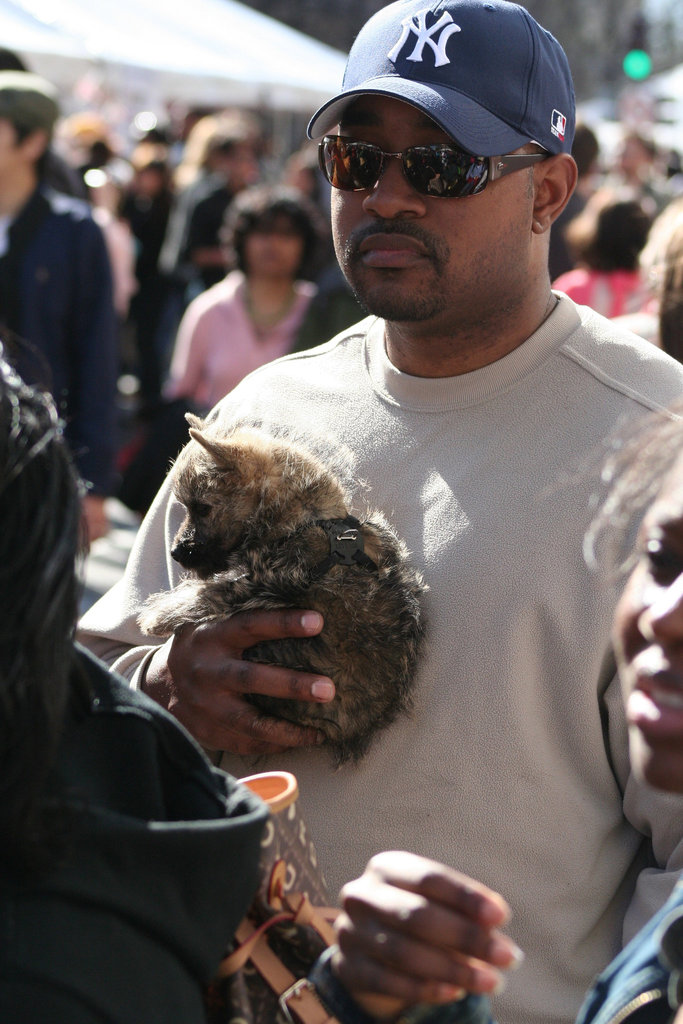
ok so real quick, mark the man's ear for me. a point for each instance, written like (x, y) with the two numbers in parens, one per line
(35, 144)
(555, 180)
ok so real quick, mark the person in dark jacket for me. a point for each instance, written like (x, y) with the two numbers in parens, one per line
(56, 288)
(58, 174)
(126, 861)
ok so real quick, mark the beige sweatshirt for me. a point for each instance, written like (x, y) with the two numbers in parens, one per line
(513, 767)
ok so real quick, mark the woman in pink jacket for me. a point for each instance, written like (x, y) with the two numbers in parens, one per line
(254, 314)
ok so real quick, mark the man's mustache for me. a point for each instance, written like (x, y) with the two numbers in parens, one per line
(436, 250)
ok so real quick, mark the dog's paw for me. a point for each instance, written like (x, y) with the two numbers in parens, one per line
(160, 615)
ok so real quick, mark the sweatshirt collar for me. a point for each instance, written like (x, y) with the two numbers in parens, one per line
(442, 394)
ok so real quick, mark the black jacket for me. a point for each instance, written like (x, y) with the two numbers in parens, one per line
(56, 295)
(158, 864)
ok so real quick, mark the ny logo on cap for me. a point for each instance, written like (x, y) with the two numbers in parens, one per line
(417, 23)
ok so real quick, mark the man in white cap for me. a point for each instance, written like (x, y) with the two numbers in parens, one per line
(475, 402)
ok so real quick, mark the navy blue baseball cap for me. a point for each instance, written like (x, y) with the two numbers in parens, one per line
(484, 70)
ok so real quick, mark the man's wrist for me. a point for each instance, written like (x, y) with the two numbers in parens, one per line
(333, 994)
(336, 998)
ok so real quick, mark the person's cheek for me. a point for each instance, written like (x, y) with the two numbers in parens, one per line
(626, 638)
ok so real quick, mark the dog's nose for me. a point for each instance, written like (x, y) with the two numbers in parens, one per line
(185, 554)
(197, 557)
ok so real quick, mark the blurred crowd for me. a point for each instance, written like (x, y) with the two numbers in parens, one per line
(218, 263)
(179, 259)
(218, 266)
(618, 245)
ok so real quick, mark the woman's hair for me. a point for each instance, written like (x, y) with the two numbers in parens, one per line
(632, 477)
(609, 233)
(661, 262)
(213, 133)
(262, 206)
(40, 536)
(585, 148)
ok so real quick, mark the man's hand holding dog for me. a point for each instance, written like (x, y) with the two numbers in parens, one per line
(200, 676)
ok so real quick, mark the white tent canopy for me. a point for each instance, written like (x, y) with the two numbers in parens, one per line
(216, 52)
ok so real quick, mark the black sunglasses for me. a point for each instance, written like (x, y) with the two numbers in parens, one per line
(439, 169)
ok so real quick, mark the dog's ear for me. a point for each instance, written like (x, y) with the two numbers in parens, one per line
(222, 453)
(194, 421)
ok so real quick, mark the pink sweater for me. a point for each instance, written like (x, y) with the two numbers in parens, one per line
(217, 345)
(612, 294)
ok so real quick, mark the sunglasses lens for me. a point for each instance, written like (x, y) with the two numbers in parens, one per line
(445, 171)
(350, 165)
(436, 170)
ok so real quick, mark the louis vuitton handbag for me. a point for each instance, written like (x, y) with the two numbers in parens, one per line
(262, 980)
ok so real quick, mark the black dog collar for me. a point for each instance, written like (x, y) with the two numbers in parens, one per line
(346, 544)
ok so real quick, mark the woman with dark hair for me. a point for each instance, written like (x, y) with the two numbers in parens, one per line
(126, 861)
(660, 318)
(606, 239)
(254, 314)
(40, 510)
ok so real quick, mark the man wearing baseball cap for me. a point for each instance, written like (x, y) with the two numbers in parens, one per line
(56, 307)
(475, 403)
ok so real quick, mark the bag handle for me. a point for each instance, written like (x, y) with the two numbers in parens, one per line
(319, 918)
(299, 904)
(298, 998)
(248, 938)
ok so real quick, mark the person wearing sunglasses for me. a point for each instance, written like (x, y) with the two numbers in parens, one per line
(472, 402)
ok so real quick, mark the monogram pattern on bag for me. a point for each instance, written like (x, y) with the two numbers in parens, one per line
(288, 852)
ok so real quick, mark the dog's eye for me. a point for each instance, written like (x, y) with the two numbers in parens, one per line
(200, 509)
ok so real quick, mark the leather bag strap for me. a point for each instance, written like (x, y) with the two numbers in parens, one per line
(305, 913)
(298, 997)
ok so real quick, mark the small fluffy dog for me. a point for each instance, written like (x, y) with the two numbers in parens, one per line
(267, 525)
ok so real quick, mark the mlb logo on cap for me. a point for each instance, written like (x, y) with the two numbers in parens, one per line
(558, 124)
